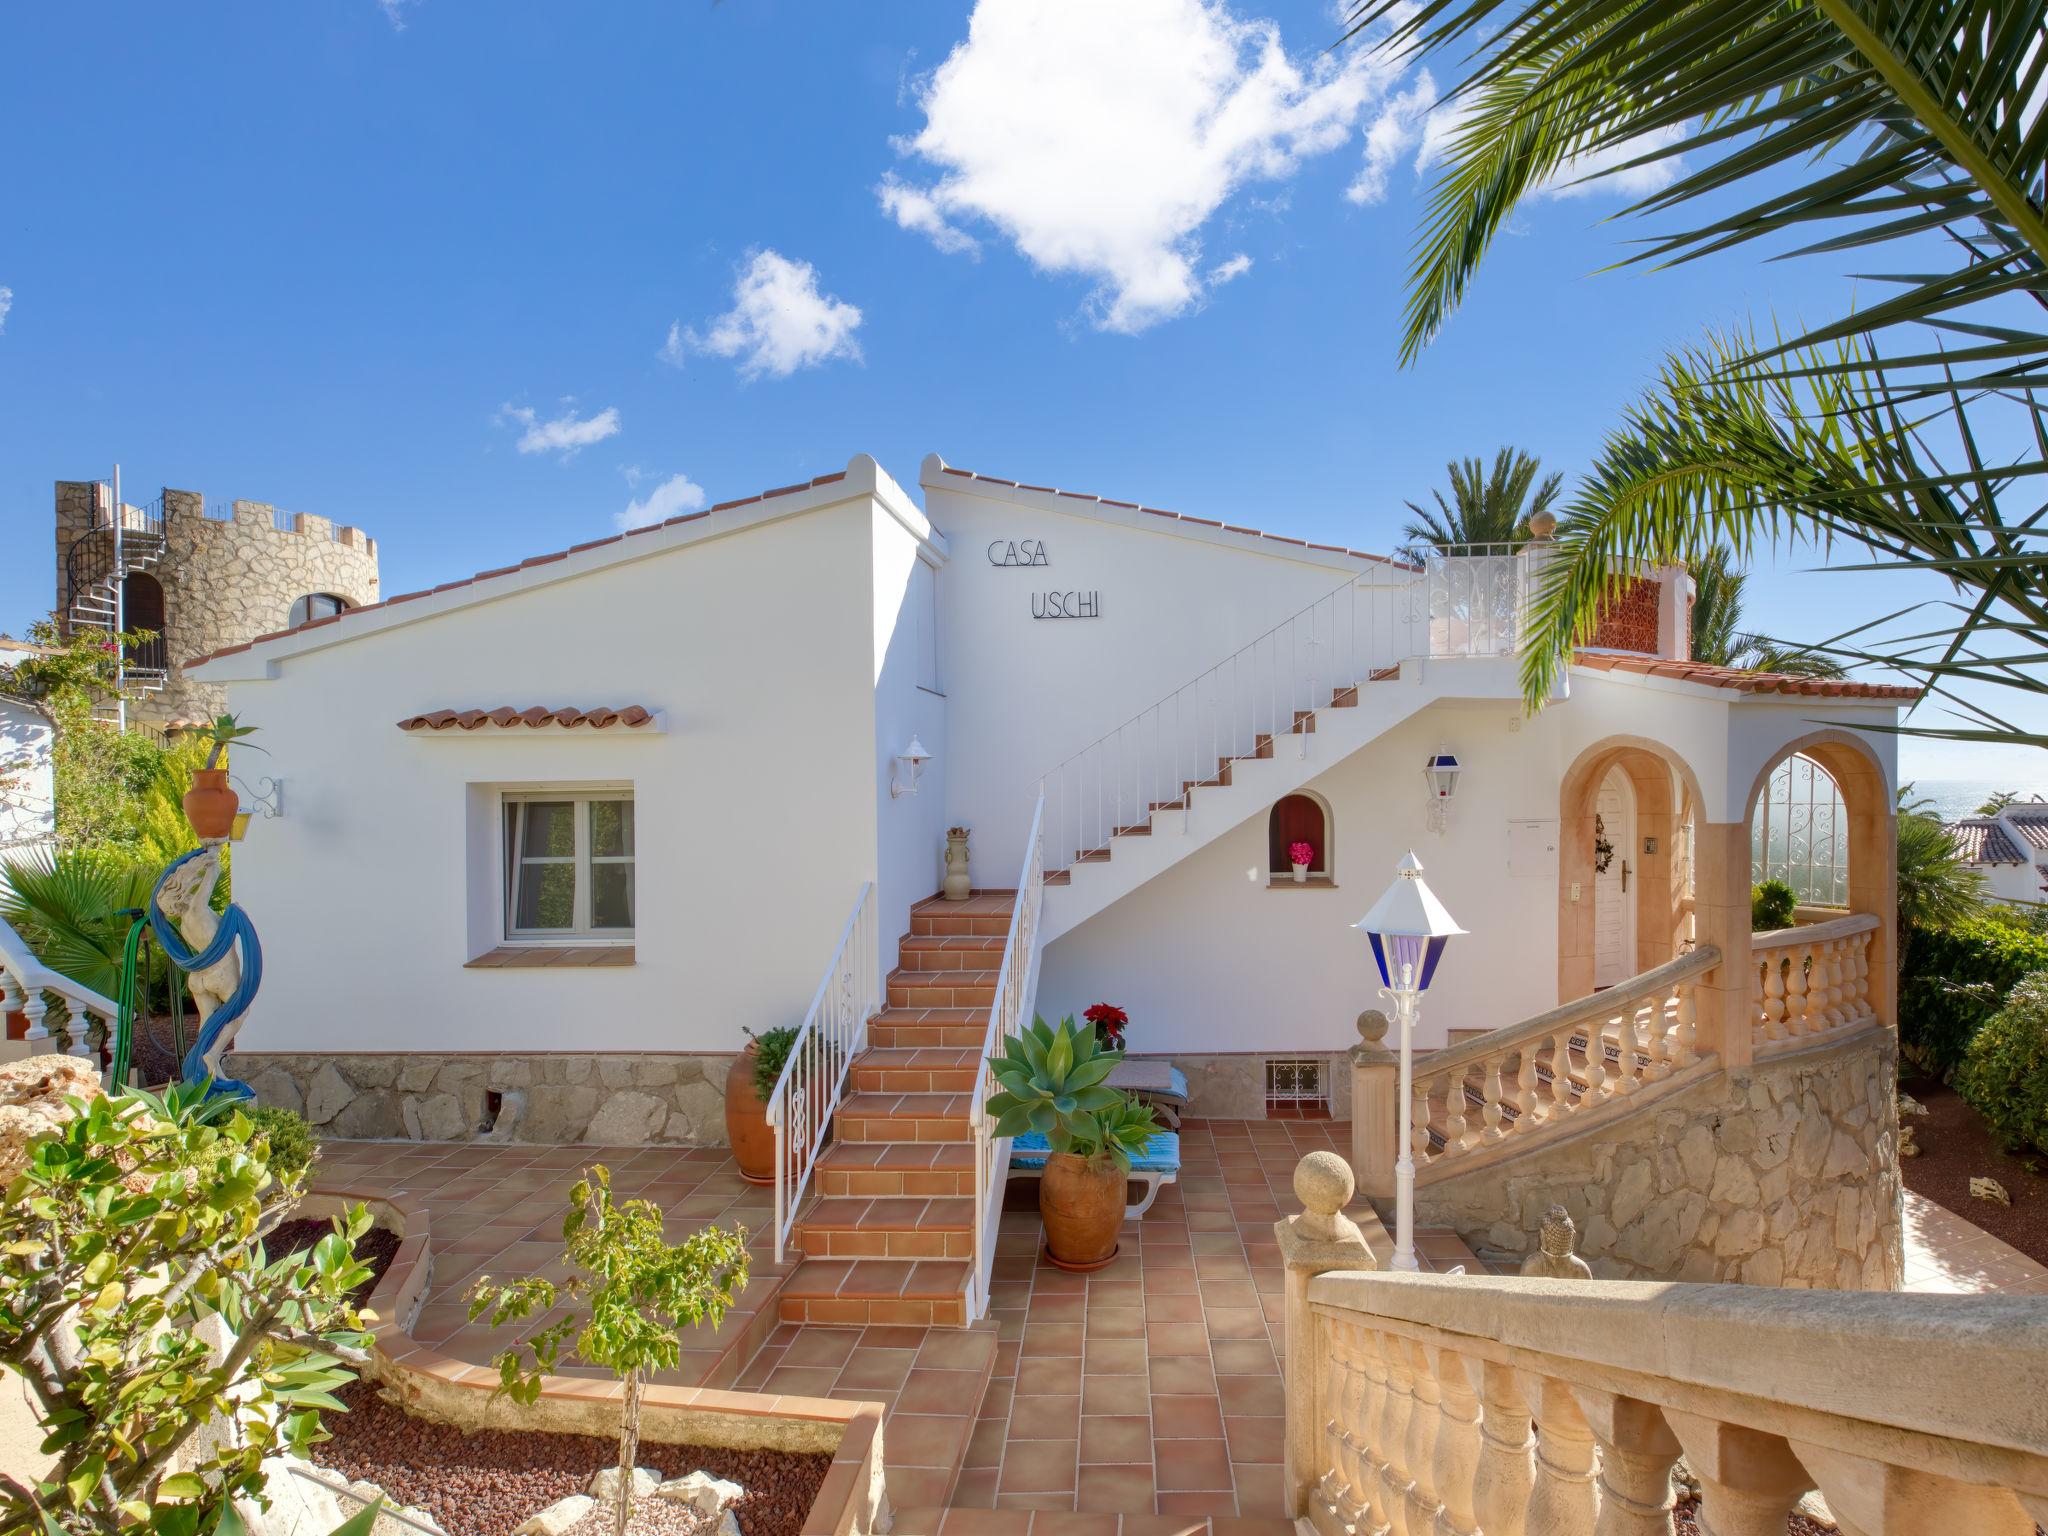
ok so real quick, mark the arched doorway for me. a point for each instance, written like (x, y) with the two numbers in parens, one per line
(1624, 881)
(142, 608)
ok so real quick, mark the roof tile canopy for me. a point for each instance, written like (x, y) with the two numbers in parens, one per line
(505, 716)
(2032, 825)
(1744, 682)
(1981, 840)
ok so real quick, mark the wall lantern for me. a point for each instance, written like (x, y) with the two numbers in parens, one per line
(909, 769)
(270, 801)
(1441, 771)
(1408, 929)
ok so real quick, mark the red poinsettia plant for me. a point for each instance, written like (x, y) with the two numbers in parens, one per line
(1109, 1021)
(1301, 853)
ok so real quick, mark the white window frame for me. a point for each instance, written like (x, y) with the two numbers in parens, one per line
(580, 933)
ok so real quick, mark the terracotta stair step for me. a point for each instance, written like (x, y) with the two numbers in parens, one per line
(848, 1292)
(904, 1117)
(934, 1169)
(950, 952)
(943, 989)
(887, 1227)
(984, 916)
(964, 1027)
(915, 1069)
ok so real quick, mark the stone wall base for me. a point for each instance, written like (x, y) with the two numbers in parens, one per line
(610, 1100)
(1781, 1173)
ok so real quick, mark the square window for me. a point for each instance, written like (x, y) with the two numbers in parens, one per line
(569, 866)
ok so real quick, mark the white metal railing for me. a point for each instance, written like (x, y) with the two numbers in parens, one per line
(1465, 602)
(834, 1031)
(27, 986)
(1813, 978)
(1016, 992)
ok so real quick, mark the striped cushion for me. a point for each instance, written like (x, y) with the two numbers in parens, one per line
(1161, 1155)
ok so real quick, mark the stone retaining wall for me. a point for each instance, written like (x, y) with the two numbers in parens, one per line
(613, 1100)
(1781, 1173)
(1233, 1087)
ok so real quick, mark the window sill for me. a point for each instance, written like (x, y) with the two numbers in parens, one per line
(533, 957)
(1289, 883)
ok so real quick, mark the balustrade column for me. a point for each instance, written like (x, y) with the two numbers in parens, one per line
(1457, 1443)
(1391, 1501)
(1637, 1449)
(1596, 1059)
(1372, 1516)
(81, 1024)
(1494, 1093)
(36, 1011)
(1420, 1451)
(1774, 994)
(1872, 1498)
(1560, 1075)
(1625, 1057)
(1562, 1498)
(1798, 991)
(1336, 1489)
(1749, 1480)
(1687, 1030)
(1320, 1239)
(1527, 1105)
(1500, 1483)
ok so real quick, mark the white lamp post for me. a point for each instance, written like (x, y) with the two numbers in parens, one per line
(1408, 929)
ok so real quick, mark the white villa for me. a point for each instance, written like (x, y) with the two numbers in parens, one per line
(568, 828)
(2009, 850)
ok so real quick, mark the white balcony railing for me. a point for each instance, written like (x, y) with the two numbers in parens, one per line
(47, 999)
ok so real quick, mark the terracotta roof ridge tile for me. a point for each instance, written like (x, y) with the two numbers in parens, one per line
(1738, 681)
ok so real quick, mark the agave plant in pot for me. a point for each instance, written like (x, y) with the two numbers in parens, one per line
(1054, 1082)
(211, 802)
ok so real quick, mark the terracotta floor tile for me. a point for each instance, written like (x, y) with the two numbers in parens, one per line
(1163, 1339)
(1053, 1338)
(1038, 1466)
(1117, 1323)
(821, 1346)
(1188, 1417)
(1244, 1357)
(1253, 1396)
(883, 1368)
(1259, 1490)
(1048, 1375)
(1187, 1465)
(926, 1391)
(1235, 1323)
(1173, 1309)
(923, 1439)
(1189, 1374)
(1219, 1502)
(1115, 1395)
(1115, 1357)
(1047, 1418)
(1118, 1490)
(1261, 1439)
(1120, 1438)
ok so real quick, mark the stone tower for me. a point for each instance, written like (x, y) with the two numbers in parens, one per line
(200, 581)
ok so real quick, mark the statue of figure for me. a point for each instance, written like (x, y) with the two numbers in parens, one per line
(1554, 1258)
(213, 955)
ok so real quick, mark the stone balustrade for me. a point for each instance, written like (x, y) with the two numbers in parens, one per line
(1476, 1405)
(59, 1011)
(1812, 979)
(1542, 1073)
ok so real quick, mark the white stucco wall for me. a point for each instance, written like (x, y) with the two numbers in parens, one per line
(910, 830)
(755, 806)
(1023, 694)
(27, 805)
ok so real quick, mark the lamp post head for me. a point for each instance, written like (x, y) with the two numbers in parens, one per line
(1407, 928)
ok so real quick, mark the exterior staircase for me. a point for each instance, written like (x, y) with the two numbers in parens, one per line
(94, 571)
(889, 1236)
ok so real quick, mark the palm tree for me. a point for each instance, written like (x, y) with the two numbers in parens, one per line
(1936, 888)
(1484, 508)
(1868, 121)
(1717, 633)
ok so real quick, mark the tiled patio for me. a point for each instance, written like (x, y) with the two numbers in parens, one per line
(1945, 1253)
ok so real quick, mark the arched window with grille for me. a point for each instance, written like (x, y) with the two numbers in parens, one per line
(1800, 833)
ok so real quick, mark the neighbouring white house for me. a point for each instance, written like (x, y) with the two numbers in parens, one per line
(28, 806)
(581, 821)
(2008, 850)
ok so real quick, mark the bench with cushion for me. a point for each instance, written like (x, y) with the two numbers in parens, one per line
(1158, 1165)
(1155, 1081)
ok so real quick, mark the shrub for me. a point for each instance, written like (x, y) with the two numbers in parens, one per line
(138, 1225)
(2004, 1074)
(772, 1050)
(1953, 979)
(1055, 1081)
(292, 1148)
(637, 1292)
(1771, 905)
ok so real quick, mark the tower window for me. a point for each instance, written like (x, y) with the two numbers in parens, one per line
(317, 605)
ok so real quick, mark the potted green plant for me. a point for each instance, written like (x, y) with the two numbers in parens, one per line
(1054, 1082)
(211, 802)
(751, 1084)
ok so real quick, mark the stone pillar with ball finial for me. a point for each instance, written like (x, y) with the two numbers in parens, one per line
(1320, 1239)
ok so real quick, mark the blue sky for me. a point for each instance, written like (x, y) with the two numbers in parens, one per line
(349, 257)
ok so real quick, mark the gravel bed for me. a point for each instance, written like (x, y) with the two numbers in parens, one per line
(1688, 1513)
(1954, 1148)
(484, 1484)
(376, 1247)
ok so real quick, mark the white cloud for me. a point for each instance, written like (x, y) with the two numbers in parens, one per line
(1402, 124)
(1229, 271)
(673, 497)
(567, 434)
(779, 321)
(1100, 139)
(673, 350)
(1568, 180)
(6, 304)
(394, 12)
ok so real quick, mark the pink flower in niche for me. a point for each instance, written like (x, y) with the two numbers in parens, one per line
(1303, 854)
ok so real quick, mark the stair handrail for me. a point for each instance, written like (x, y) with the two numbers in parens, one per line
(1184, 735)
(813, 1079)
(1008, 1014)
(23, 981)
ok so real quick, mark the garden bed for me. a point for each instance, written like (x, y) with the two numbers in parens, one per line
(1955, 1147)
(485, 1482)
(376, 1247)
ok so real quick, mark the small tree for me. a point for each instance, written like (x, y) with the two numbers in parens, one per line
(638, 1293)
(135, 1223)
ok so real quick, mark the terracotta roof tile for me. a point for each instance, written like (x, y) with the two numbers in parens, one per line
(2031, 825)
(508, 570)
(1980, 840)
(1739, 681)
(505, 716)
(1179, 517)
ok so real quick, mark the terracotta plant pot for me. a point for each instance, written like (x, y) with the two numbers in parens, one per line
(1082, 1205)
(210, 803)
(746, 1123)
